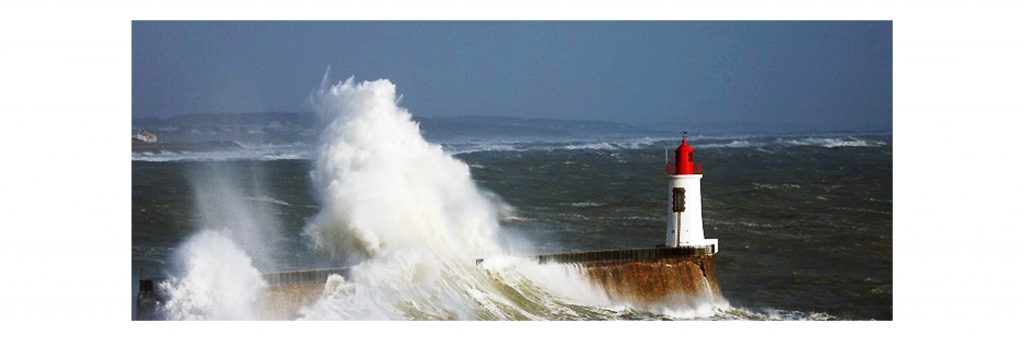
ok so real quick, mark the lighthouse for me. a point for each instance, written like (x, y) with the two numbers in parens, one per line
(685, 224)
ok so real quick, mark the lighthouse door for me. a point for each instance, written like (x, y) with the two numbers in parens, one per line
(678, 199)
(678, 206)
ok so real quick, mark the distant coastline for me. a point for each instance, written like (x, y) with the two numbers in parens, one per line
(179, 147)
(304, 127)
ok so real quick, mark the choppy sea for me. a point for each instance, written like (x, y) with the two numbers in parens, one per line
(804, 221)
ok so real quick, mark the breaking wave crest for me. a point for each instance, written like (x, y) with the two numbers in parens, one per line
(264, 152)
(410, 219)
(215, 280)
(733, 144)
(833, 142)
(458, 148)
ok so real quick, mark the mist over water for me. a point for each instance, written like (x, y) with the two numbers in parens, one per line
(213, 274)
(235, 203)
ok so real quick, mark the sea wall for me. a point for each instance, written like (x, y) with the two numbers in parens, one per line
(647, 275)
(283, 301)
(648, 281)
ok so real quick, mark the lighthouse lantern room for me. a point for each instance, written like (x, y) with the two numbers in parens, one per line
(685, 224)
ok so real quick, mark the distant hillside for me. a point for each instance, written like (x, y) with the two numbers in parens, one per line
(260, 128)
(206, 120)
(487, 126)
(280, 127)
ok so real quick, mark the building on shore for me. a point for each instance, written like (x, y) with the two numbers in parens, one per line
(144, 136)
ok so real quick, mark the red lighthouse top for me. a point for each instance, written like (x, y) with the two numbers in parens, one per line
(684, 160)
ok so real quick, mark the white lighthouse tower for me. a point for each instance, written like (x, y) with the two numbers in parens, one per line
(685, 225)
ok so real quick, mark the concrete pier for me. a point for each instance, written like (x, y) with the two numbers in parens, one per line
(647, 275)
(640, 276)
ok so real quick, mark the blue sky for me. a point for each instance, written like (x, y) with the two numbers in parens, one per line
(794, 75)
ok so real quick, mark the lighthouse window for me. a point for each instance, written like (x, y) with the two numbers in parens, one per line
(678, 199)
(690, 155)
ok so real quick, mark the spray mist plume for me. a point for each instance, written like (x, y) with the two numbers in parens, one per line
(385, 189)
(406, 213)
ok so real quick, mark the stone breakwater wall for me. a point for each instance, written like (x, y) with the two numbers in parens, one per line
(647, 275)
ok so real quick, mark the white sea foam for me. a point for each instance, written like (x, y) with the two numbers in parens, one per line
(774, 186)
(560, 280)
(384, 188)
(269, 200)
(214, 280)
(406, 212)
(547, 146)
(246, 152)
(832, 142)
(482, 146)
(586, 204)
(731, 144)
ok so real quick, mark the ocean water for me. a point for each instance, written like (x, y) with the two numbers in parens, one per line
(804, 222)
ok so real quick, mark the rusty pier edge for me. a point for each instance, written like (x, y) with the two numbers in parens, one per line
(646, 275)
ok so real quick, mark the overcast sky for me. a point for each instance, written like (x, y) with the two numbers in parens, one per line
(819, 75)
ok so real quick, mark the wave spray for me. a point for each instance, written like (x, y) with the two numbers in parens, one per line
(217, 281)
(383, 188)
(214, 274)
(410, 219)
